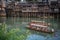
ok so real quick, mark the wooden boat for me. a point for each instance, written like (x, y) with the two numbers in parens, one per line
(40, 23)
(38, 26)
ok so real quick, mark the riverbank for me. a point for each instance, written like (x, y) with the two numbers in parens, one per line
(32, 17)
(3, 15)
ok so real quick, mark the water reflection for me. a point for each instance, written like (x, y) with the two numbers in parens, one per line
(20, 23)
(2, 19)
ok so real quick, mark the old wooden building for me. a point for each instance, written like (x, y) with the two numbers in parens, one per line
(2, 8)
(31, 9)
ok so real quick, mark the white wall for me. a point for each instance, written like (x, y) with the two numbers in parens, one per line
(23, 1)
(3, 3)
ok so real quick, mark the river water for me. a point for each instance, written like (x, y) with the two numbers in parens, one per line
(17, 27)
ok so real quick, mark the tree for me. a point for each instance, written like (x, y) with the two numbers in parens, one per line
(31, 0)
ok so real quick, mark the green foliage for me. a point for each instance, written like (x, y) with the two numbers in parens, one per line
(2, 31)
(17, 34)
(32, 0)
(13, 34)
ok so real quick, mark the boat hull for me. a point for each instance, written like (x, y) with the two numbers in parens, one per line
(40, 30)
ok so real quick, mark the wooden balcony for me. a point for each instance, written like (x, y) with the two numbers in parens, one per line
(59, 5)
(16, 9)
(29, 9)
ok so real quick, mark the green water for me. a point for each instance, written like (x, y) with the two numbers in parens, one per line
(16, 29)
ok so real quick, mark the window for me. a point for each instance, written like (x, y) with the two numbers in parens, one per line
(56, 10)
(28, 0)
(31, 0)
(44, 0)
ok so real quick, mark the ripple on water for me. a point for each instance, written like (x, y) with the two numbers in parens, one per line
(22, 22)
(35, 37)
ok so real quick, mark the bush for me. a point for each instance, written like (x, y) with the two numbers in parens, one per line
(2, 31)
